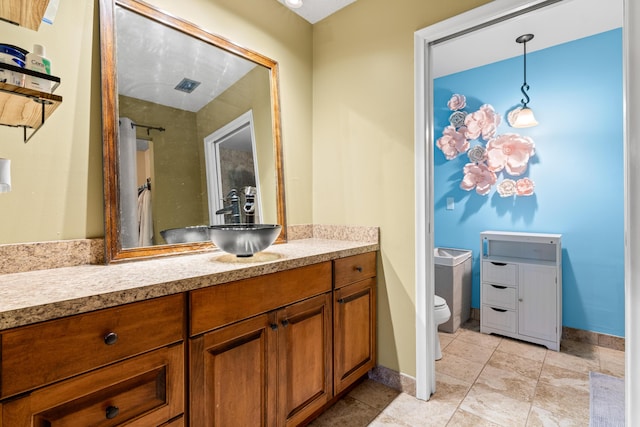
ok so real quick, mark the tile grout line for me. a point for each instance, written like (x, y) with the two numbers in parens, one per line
(535, 390)
(474, 380)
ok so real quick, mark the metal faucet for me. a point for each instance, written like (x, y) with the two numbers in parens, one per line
(249, 206)
(233, 208)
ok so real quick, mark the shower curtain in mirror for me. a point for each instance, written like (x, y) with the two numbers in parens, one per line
(136, 223)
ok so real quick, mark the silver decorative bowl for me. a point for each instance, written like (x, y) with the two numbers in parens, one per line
(244, 240)
(191, 234)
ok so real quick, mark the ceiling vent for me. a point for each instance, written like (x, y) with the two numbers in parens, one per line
(187, 85)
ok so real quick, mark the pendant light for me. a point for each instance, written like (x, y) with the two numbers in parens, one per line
(523, 117)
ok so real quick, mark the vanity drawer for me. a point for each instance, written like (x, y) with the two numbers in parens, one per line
(353, 269)
(498, 318)
(499, 272)
(146, 390)
(36, 355)
(227, 303)
(499, 295)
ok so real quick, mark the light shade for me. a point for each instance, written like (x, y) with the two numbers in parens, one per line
(523, 118)
(5, 175)
(293, 4)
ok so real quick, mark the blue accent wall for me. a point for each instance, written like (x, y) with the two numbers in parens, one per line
(576, 94)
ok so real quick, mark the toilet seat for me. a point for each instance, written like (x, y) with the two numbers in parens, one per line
(441, 310)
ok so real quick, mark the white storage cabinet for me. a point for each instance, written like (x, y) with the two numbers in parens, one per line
(521, 286)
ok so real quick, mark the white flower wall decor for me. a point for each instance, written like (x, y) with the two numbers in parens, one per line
(506, 154)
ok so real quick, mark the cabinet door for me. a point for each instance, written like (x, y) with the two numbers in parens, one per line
(304, 359)
(233, 375)
(146, 390)
(538, 302)
(354, 332)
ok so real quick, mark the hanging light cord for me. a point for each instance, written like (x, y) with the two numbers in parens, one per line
(525, 87)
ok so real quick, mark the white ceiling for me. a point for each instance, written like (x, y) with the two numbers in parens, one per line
(560, 23)
(149, 67)
(316, 10)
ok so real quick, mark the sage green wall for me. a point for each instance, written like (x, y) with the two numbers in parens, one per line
(57, 177)
(363, 144)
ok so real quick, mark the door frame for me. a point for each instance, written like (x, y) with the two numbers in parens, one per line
(212, 160)
(424, 270)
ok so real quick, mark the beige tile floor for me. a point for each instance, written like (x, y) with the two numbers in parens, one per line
(486, 380)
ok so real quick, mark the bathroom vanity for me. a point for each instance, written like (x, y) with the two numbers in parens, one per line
(213, 343)
(521, 286)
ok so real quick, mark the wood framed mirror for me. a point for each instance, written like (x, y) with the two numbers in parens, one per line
(169, 88)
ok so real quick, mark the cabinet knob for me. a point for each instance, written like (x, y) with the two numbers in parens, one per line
(110, 339)
(274, 326)
(520, 299)
(285, 322)
(358, 269)
(112, 412)
(341, 301)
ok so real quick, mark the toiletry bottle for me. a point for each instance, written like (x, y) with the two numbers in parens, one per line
(37, 61)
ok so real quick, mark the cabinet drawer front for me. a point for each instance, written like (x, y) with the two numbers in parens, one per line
(229, 302)
(354, 268)
(499, 296)
(498, 318)
(141, 391)
(40, 354)
(498, 272)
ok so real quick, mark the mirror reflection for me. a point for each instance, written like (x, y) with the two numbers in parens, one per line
(196, 124)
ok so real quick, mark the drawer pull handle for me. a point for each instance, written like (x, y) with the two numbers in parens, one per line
(274, 326)
(112, 412)
(285, 323)
(501, 264)
(499, 287)
(110, 339)
(354, 296)
(500, 310)
(358, 269)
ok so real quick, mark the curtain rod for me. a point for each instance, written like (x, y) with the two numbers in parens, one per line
(149, 128)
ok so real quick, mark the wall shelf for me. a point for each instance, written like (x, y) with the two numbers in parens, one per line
(25, 13)
(24, 107)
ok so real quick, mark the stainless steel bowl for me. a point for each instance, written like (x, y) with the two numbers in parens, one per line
(191, 234)
(244, 240)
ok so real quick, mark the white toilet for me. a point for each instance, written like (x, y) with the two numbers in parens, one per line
(442, 314)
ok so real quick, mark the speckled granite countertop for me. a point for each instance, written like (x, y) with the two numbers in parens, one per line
(36, 296)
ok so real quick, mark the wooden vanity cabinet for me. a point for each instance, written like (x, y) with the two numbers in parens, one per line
(272, 350)
(270, 369)
(354, 311)
(122, 365)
